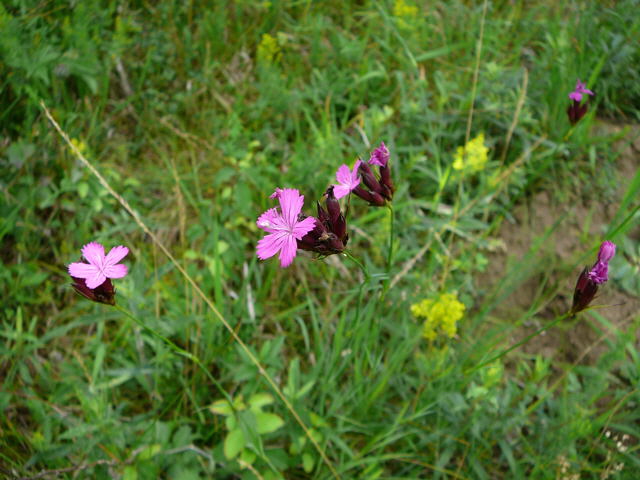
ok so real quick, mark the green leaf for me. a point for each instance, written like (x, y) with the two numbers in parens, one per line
(268, 422)
(150, 451)
(83, 189)
(260, 400)
(307, 462)
(231, 422)
(130, 473)
(305, 389)
(221, 407)
(248, 456)
(233, 444)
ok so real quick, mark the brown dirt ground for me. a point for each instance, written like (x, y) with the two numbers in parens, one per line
(581, 341)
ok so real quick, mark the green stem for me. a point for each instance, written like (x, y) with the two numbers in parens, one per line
(177, 350)
(520, 343)
(387, 282)
(359, 264)
(391, 237)
(367, 277)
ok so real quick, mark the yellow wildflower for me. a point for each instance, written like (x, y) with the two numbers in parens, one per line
(440, 315)
(268, 50)
(403, 9)
(80, 145)
(473, 156)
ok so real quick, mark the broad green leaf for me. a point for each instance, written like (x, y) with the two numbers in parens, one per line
(248, 456)
(307, 462)
(260, 400)
(233, 444)
(268, 422)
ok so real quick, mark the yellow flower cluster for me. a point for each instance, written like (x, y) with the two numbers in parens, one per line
(80, 145)
(268, 49)
(440, 315)
(473, 156)
(403, 9)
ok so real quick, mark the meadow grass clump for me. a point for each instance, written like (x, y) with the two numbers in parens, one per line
(437, 337)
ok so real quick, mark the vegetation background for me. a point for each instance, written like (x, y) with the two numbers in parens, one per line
(194, 112)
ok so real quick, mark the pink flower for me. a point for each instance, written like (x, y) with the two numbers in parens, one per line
(283, 226)
(580, 89)
(599, 273)
(380, 156)
(100, 267)
(347, 179)
(607, 251)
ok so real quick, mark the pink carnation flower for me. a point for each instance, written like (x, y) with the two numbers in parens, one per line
(347, 180)
(283, 226)
(100, 267)
(580, 89)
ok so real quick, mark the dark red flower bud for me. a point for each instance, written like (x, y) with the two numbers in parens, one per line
(340, 229)
(329, 234)
(576, 111)
(333, 206)
(104, 293)
(369, 179)
(584, 292)
(323, 216)
(373, 198)
(387, 183)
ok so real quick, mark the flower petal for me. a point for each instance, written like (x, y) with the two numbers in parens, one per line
(269, 245)
(343, 175)
(115, 271)
(607, 251)
(115, 255)
(95, 280)
(82, 270)
(599, 273)
(341, 191)
(575, 96)
(268, 220)
(94, 253)
(303, 227)
(290, 204)
(288, 251)
(380, 156)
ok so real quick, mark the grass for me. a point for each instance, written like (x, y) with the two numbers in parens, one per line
(193, 117)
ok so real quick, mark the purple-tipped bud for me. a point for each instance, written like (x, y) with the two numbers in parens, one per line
(380, 156)
(600, 271)
(607, 251)
(577, 109)
(584, 292)
(588, 282)
(103, 293)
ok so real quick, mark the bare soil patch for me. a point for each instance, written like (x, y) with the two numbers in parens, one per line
(573, 222)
